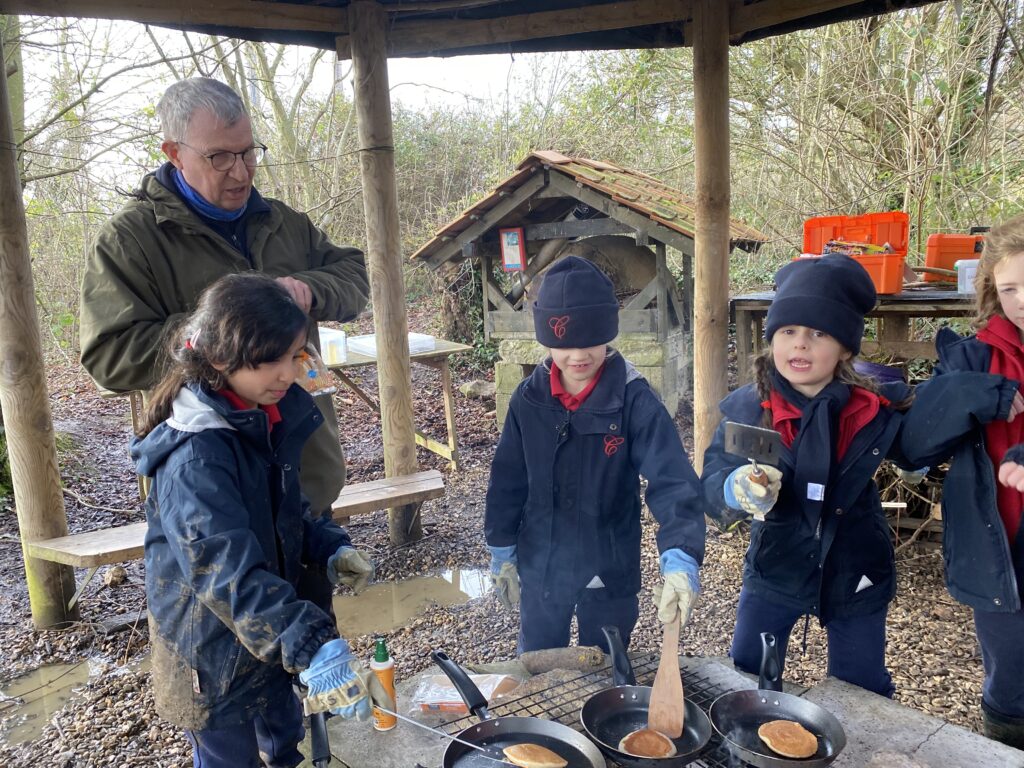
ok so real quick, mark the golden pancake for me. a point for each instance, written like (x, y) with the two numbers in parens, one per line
(788, 739)
(534, 756)
(647, 743)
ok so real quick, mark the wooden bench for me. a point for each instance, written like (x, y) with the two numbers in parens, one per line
(125, 542)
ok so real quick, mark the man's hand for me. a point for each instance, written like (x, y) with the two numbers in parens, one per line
(299, 291)
(350, 567)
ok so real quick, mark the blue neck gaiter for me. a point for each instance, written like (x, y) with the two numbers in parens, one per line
(205, 208)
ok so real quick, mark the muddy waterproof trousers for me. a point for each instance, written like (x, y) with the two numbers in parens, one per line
(269, 740)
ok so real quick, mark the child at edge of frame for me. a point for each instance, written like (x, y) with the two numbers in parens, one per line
(821, 546)
(562, 521)
(969, 414)
(229, 531)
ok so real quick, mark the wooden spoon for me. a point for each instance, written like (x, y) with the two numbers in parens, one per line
(665, 711)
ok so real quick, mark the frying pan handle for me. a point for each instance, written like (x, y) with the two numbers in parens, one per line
(622, 670)
(320, 746)
(771, 673)
(475, 701)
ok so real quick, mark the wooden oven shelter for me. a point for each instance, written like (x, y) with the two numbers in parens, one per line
(367, 32)
(615, 217)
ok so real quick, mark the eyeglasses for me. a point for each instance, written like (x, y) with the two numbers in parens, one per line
(225, 161)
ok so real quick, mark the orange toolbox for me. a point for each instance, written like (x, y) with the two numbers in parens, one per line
(890, 228)
(944, 251)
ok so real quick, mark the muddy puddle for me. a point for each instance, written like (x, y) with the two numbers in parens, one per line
(385, 606)
(28, 703)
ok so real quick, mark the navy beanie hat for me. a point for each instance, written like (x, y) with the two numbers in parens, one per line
(576, 306)
(830, 294)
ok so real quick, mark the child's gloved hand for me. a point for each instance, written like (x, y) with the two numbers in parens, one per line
(912, 477)
(505, 576)
(337, 681)
(351, 567)
(678, 594)
(743, 492)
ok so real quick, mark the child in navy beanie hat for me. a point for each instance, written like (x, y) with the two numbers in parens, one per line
(815, 542)
(830, 294)
(576, 306)
(562, 521)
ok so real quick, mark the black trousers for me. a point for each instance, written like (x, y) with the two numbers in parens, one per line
(545, 623)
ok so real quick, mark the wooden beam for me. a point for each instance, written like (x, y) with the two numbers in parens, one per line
(31, 446)
(747, 17)
(487, 220)
(247, 14)
(576, 228)
(368, 22)
(711, 144)
(432, 37)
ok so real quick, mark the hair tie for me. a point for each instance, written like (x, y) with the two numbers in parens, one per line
(193, 340)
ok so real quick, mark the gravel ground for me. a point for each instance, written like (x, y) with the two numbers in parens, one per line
(111, 722)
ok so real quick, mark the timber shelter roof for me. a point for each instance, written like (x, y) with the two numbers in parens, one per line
(547, 185)
(459, 27)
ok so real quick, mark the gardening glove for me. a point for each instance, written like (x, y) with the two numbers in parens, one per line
(505, 575)
(742, 492)
(678, 594)
(912, 477)
(337, 681)
(351, 567)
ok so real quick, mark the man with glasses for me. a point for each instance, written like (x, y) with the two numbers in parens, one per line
(193, 220)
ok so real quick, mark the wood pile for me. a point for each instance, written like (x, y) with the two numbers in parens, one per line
(914, 512)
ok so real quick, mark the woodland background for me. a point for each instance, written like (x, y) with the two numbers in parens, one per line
(919, 110)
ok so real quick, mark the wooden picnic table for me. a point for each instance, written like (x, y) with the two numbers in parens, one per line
(894, 313)
(436, 358)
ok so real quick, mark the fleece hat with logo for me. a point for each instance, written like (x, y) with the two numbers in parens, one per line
(830, 294)
(576, 306)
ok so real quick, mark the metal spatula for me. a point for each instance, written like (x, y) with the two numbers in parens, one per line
(755, 444)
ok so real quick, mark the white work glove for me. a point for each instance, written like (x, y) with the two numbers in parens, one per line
(677, 595)
(351, 567)
(743, 492)
(505, 576)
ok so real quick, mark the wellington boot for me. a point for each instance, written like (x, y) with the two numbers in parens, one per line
(1002, 728)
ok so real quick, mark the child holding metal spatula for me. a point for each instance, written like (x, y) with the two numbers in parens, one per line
(822, 547)
(563, 503)
(970, 412)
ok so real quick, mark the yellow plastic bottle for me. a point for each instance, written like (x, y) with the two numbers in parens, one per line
(383, 667)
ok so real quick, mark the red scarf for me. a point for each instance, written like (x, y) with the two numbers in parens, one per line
(858, 412)
(272, 411)
(1007, 360)
(571, 402)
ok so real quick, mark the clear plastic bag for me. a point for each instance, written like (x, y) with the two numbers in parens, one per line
(315, 378)
(436, 693)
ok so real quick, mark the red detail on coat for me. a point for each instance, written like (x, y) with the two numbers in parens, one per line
(859, 411)
(558, 325)
(612, 443)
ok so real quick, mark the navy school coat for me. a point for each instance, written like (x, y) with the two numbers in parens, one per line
(818, 570)
(228, 533)
(565, 486)
(948, 420)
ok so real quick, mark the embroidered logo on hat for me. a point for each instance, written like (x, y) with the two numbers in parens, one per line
(559, 325)
(612, 443)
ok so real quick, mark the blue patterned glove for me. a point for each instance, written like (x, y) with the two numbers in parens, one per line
(337, 681)
(678, 594)
(505, 575)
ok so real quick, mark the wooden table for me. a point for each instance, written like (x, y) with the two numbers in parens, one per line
(894, 314)
(437, 359)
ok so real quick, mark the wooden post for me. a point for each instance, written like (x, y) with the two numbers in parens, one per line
(367, 23)
(29, 427)
(711, 246)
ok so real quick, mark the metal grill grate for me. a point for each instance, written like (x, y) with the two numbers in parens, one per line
(562, 703)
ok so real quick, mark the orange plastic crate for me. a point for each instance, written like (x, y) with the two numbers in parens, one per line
(944, 251)
(892, 227)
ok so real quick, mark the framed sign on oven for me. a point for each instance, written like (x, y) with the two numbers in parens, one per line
(513, 248)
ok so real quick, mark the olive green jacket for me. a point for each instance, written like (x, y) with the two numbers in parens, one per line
(153, 258)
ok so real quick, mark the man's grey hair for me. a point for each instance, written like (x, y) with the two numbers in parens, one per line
(184, 97)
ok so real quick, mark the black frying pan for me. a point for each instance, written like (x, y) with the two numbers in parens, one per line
(499, 732)
(737, 716)
(610, 714)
